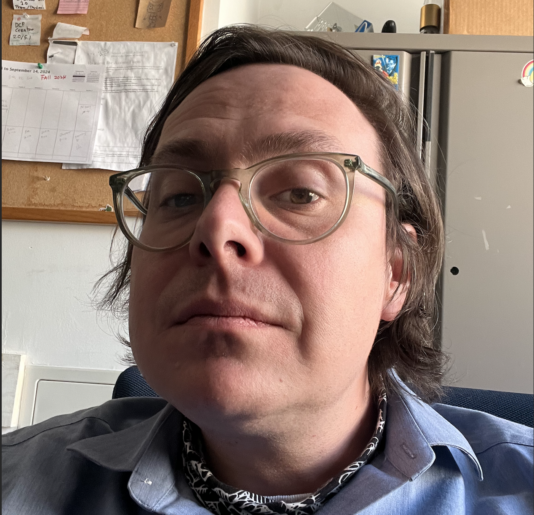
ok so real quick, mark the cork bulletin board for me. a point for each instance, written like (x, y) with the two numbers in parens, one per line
(44, 191)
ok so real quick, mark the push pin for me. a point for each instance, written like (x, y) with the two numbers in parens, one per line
(46, 178)
(25, 15)
(40, 66)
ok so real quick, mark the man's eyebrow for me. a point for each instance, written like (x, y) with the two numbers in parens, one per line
(273, 145)
(186, 148)
(292, 142)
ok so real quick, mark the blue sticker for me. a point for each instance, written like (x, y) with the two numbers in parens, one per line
(388, 65)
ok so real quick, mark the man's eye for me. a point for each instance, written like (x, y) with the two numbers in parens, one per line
(299, 196)
(181, 200)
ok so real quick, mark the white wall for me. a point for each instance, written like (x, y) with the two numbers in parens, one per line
(296, 14)
(48, 271)
(244, 11)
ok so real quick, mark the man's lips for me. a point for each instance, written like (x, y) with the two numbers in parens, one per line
(222, 314)
(219, 322)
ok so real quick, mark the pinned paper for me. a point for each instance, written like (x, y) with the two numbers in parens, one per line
(50, 113)
(62, 52)
(68, 31)
(388, 65)
(527, 75)
(73, 7)
(152, 14)
(29, 4)
(26, 29)
(138, 77)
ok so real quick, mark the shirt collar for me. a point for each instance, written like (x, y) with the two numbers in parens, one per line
(412, 430)
(122, 450)
(151, 450)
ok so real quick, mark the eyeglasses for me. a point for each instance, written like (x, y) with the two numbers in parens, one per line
(296, 199)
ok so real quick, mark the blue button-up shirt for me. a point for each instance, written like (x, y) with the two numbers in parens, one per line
(125, 457)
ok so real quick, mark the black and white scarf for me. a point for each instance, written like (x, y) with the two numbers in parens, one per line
(223, 499)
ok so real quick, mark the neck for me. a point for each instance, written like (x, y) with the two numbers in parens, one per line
(293, 454)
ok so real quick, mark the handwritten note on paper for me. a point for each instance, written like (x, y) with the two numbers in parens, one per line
(50, 114)
(73, 7)
(138, 77)
(29, 4)
(26, 30)
(152, 14)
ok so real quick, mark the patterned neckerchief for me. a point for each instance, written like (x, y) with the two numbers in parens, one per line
(223, 499)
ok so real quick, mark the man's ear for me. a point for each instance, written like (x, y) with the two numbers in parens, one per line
(394, 300)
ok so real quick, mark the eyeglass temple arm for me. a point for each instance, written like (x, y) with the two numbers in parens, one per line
(135, 201)
(358, 164)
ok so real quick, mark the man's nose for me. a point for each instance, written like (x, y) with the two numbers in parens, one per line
(224, 230)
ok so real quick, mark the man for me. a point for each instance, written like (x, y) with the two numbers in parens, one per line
(281, 274)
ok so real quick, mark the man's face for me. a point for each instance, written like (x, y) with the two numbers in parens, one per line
(236, 324)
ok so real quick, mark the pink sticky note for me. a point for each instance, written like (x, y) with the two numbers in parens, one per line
(73, 6)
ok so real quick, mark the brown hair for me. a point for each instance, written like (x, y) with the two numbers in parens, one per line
(406, 344)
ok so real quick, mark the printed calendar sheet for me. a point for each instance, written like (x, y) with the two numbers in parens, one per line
(50, 113)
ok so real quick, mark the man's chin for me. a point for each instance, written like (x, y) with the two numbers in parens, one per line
(220, 389)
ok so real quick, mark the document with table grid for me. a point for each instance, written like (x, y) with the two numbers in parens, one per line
(50, 111)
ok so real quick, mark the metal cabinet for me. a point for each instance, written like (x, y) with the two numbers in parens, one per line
(486, 166)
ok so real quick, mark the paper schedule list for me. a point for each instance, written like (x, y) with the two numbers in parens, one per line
(50, 114)
(138, 77)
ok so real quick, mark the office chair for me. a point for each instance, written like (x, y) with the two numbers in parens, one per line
(516, 407)
(131, 383)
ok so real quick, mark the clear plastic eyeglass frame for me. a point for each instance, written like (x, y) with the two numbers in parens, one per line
(347, 163)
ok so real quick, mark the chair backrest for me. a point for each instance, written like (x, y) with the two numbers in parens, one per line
(131, 383)
(517, 407)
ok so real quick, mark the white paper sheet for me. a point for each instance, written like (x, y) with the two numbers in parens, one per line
(68, 31)
(50, 114)
(29, 4)
(61, 52)
(138, 77)
(26, 30)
